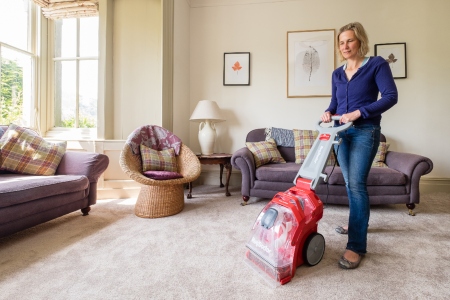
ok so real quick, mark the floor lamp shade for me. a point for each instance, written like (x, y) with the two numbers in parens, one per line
(208, 113)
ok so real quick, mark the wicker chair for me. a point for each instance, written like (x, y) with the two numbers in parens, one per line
(160, 198)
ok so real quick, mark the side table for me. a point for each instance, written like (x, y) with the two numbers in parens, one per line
(222, 159)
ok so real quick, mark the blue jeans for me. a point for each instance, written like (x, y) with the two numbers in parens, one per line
(355, 155)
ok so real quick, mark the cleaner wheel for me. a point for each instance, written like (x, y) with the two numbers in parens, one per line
(314, 249)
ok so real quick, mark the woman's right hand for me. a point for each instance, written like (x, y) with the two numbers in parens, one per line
(326, 117)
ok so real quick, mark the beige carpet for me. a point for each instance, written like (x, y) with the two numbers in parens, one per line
(198, 254)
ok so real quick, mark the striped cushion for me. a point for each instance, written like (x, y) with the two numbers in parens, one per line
(154, 160)
(304, 139)
(265, 152)
(24, 151)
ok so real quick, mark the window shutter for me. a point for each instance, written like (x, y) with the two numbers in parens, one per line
(60, 9)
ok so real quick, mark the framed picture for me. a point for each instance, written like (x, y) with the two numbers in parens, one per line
(310, 63)
(236, 68)
(395, 55)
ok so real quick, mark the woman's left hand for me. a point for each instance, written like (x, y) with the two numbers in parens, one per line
(350, 117)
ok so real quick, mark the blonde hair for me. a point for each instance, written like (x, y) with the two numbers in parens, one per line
(360, 34)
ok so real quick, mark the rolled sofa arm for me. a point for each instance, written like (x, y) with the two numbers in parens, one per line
(90, 164)
(413, 166)
(243, 160)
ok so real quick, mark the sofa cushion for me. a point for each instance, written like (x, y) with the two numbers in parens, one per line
(154, 160)
(304, 139)
(17, 188)
(265, 152)
(24, 151)
(380, 157)
(377, 176)
(325, 191)
(277, 172)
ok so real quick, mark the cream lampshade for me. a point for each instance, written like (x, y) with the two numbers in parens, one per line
(208, 113)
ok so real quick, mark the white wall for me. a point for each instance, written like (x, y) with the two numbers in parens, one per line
(205, 29)
(137, 65)
(133, 97)
(416, 124)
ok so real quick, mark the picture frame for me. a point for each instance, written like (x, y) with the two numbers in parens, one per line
(236, 68)
(395, 55)
(310, 62)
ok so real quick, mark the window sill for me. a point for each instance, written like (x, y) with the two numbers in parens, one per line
(71, 134)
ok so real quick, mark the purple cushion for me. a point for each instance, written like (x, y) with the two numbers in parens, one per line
(162, 175)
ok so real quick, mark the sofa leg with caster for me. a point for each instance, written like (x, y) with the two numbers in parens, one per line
(245, 198)
(86, 210)
(411, 207)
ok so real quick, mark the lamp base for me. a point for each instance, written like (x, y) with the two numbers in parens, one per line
(207, 137)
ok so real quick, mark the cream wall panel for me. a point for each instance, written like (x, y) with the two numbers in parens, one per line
(137, 65)
(415, 124)
(114, 171)
(105, 109)
(181, 81)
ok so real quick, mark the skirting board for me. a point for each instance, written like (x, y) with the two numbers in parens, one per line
(120, 189)
(213, 178)
(428, 185)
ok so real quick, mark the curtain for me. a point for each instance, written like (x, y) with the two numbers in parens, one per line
(59, 9)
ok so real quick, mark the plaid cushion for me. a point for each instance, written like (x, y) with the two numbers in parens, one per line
(154, 160)
(304, 139)
(2, 131)
(265, 152)
(24, 151)
(380, 157)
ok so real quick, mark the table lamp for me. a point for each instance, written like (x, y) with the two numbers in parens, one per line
(208, 113)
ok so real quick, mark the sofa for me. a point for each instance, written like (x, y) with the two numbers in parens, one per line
(28, 200)
(395, 183)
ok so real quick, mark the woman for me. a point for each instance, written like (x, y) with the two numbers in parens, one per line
(355, 88)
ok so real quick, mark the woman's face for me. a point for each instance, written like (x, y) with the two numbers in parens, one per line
(349, 44)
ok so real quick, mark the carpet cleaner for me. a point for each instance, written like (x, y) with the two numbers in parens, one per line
(284, 236)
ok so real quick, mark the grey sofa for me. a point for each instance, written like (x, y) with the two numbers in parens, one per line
(27, 200)
(397, 184)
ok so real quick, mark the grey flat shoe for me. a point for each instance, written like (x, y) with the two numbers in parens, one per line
(341, 230)
(348, 265)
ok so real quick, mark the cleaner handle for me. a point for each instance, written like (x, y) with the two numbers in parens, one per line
(336, 118)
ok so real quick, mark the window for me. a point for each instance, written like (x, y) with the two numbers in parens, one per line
(17, 62)
(75, 72)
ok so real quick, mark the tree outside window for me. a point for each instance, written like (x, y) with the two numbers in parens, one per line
(11, 94)
(16, 63)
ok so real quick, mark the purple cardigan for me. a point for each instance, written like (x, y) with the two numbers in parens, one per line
(361, 92)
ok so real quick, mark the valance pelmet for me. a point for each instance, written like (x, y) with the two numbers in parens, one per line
(60, 9)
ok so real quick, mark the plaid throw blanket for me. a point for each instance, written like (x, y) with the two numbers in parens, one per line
(154, 137)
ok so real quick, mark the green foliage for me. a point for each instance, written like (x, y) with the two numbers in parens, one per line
(11, 92)
(84, 122)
